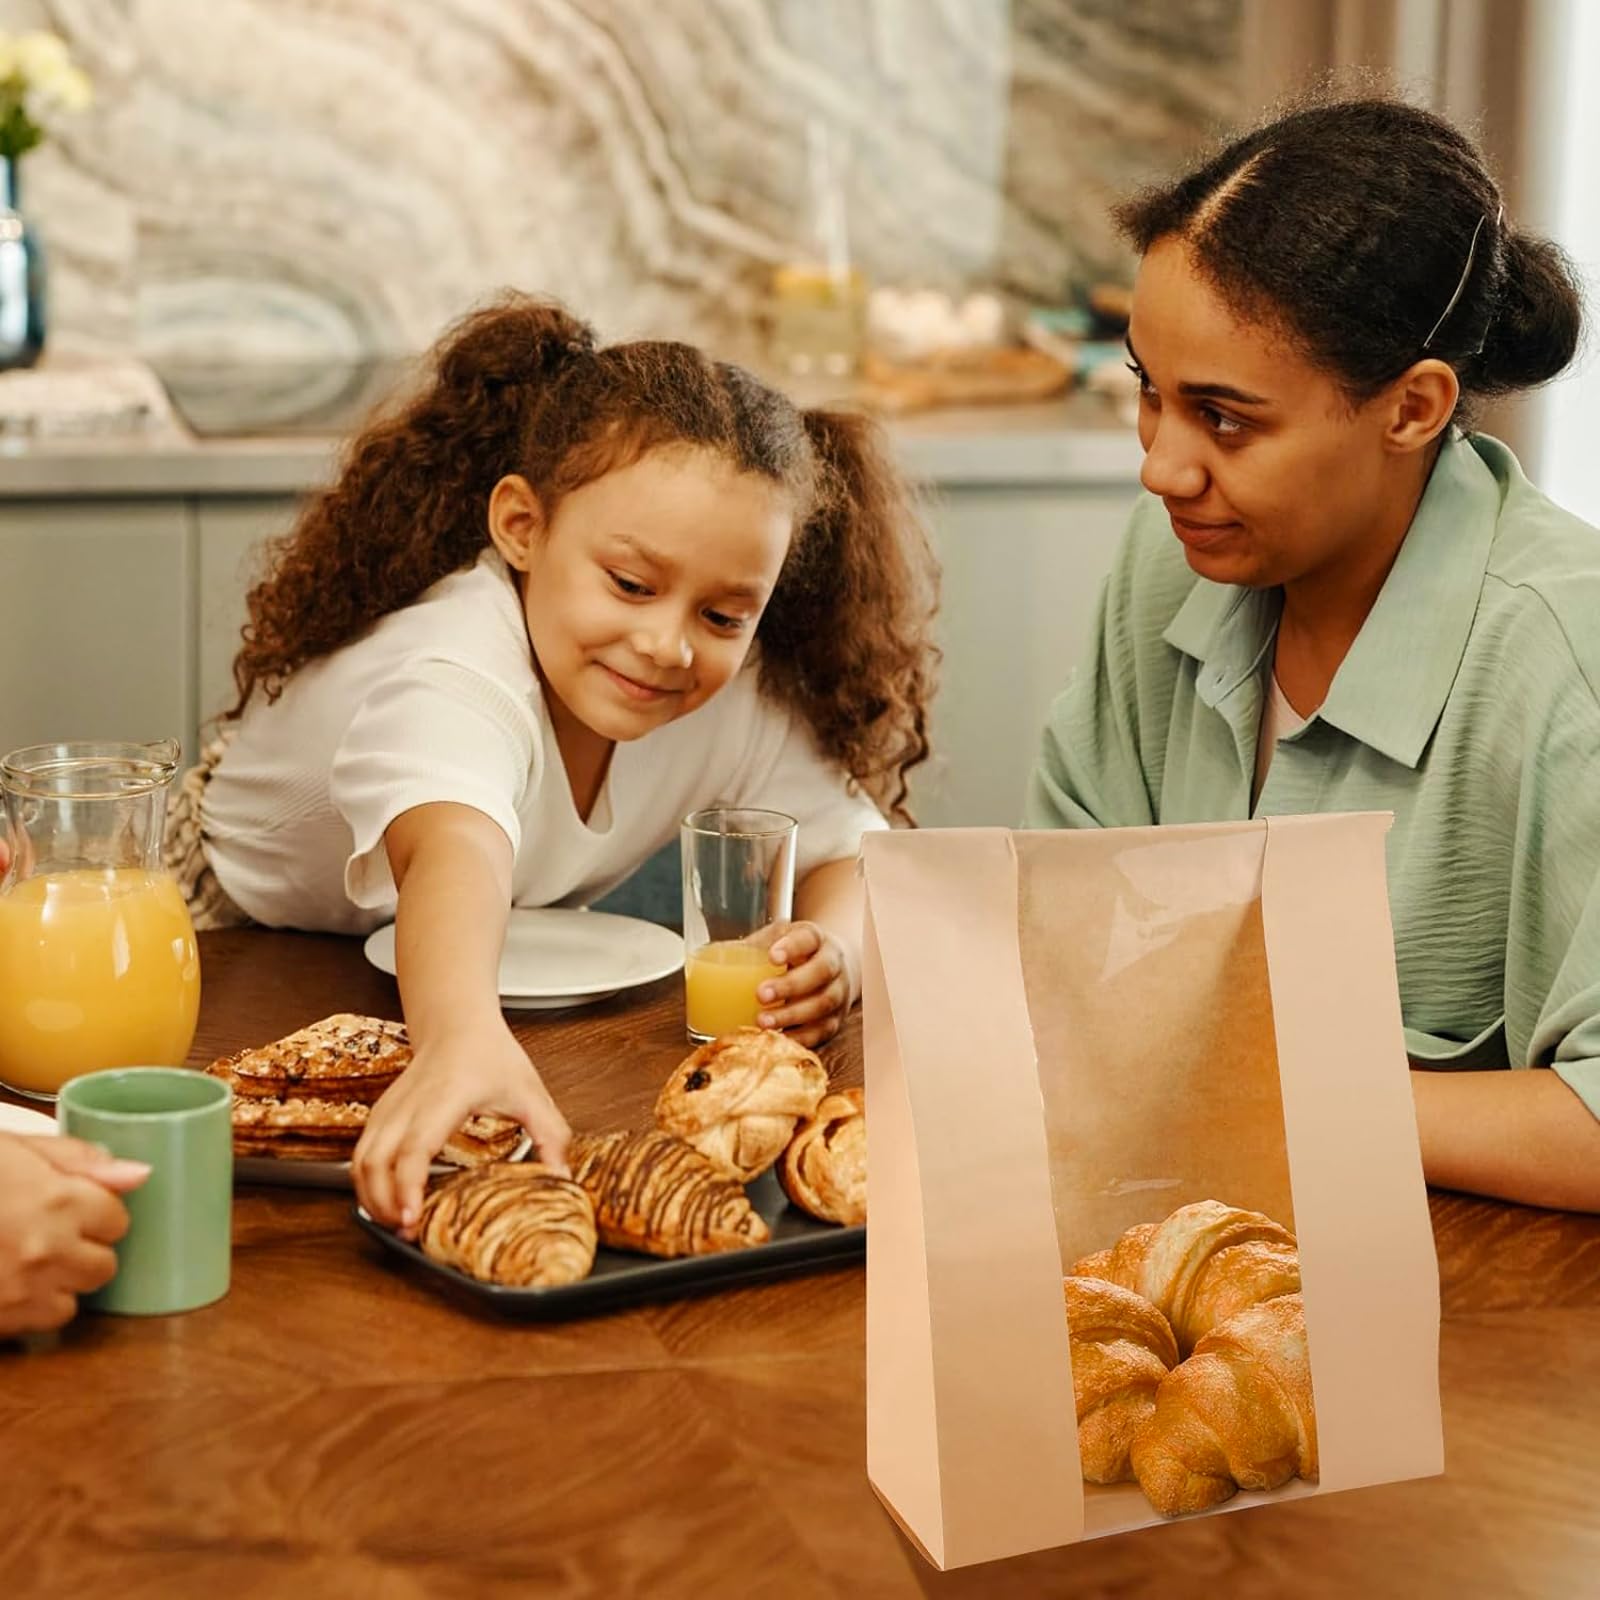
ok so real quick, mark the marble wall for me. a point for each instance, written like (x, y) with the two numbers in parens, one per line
(329, 179)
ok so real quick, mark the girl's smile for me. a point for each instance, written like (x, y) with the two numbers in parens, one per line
(636, 689)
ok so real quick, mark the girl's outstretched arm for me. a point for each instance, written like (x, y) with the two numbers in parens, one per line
(452, 867)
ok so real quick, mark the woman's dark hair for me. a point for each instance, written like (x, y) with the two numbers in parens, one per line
(522, 387)
(1352, 224)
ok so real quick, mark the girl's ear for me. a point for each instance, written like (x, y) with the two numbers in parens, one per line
(516, 521)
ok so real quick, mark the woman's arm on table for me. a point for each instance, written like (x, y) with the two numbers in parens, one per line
(1521, 1136)
(452, 868)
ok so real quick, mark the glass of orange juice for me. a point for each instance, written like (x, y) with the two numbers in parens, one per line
(738, 896)
(98, 962)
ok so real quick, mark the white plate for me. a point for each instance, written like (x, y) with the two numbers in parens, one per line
(18, 1119)
(556, 956)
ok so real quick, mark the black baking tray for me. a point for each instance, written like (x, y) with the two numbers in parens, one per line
(798, 1244)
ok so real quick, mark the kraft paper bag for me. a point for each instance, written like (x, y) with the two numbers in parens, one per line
(1070, 1033)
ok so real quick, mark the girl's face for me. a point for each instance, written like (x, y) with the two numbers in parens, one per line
(643, 591)
(1267, 471)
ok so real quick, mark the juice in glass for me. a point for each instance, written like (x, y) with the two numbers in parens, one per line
(98, 968)
(720, 982)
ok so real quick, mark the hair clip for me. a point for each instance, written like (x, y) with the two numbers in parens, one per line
(1466, 272)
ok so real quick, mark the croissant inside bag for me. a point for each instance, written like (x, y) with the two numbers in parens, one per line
(1149, 1232)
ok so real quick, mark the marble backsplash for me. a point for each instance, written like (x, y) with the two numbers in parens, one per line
(328, 181)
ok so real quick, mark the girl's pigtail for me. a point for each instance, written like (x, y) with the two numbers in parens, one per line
(845, 639)
(410, 504)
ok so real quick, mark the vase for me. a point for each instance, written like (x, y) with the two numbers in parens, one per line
(22, 304)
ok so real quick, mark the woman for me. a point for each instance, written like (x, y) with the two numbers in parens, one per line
(1336, 597)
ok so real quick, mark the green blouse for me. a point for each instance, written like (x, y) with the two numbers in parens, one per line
(1469, 706)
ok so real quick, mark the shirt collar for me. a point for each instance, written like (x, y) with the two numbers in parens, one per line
(1391, 688)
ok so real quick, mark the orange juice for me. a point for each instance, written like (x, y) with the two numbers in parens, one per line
(98, 968)
(720, 982)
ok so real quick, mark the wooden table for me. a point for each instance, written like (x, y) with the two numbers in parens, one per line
(335, 1428)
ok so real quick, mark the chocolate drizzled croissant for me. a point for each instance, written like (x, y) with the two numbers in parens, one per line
(513, 1223)
(654, 1193)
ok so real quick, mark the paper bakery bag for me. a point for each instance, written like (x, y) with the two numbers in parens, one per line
(1073, 1034)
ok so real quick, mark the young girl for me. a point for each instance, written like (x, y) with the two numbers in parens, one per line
(565, 597)
(1337, 598)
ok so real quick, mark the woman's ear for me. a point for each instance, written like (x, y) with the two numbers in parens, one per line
(1424, 400)
(516, 521)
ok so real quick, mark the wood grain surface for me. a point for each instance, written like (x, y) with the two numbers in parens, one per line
(335, 1428)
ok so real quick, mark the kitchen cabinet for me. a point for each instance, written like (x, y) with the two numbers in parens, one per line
(97, 620)
(1022, 572)
(232, 536)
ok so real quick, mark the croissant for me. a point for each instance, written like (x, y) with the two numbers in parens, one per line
(824, 1166)
(1122, 1348)
(1202, 1265)
(737, 1099)
(654, 1193)
(1238, 1414)
(514, 1223)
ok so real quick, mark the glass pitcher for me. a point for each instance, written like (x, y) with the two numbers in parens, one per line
(98, 962)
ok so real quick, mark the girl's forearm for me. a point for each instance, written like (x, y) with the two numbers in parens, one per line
(453, 872)
(832, 897)
(1521, 1136)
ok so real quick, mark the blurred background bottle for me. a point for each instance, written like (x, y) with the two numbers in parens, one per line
(819, 299)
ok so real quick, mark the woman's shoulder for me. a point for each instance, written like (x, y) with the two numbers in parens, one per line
(1542, 582)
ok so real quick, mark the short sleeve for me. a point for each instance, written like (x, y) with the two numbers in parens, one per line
(1552, 974)
(1563, 960)
(438, 731)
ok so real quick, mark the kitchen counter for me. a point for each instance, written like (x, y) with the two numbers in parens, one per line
(1074, 441)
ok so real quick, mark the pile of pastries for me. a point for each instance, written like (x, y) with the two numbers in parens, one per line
(748, 1102)
(1190, 1369)
(306, 1097)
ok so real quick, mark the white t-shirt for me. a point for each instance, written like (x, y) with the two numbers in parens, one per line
(440, 701)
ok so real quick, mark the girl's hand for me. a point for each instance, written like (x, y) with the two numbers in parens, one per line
(810, 1000)
(447, 1082)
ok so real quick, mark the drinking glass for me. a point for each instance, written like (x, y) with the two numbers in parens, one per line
(738, 896)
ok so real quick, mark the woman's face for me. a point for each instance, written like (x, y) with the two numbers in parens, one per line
(643, 591)
(1268, 472)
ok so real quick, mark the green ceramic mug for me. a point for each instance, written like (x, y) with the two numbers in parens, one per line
(176, 1252)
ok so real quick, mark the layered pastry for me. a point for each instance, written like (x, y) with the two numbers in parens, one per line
(306, 1097)
(655, 1194)
(1122, 1349)
(1201, 1265)
(340, 1059)
(738, 1099)
(1237, 1414)
(1237, 1411)
(823, 1169)
(511, 1223)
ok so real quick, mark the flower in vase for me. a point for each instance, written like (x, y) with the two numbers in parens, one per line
(37, 80)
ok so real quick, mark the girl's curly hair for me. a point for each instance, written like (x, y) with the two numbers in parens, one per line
(522, 387)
